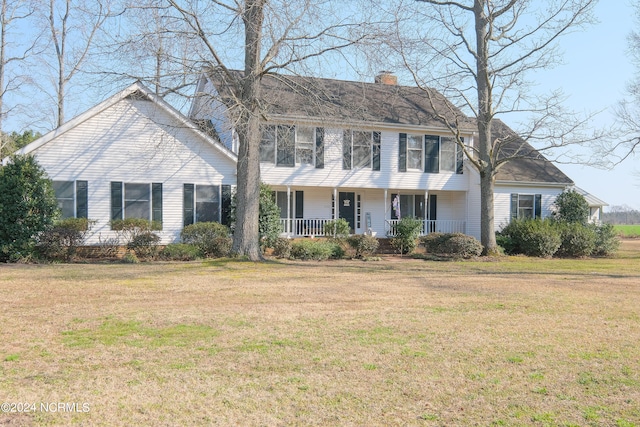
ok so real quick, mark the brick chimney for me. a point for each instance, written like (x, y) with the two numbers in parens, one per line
(387, 78)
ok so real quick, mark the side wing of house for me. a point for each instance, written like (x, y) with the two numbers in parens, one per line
(134, 157)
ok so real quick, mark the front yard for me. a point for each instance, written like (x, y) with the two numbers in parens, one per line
(394, 342)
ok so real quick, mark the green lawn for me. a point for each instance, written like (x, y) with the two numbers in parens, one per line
(516, 342)
(628, 230)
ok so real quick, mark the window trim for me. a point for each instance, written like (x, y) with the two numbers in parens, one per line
(348, 150)
(515, 205)
(315, 145)
(118, 201)
(79, 199)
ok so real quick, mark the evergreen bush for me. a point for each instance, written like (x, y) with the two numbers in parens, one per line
(211, 238)
(28, 207)
(407, 233)
(363, 244)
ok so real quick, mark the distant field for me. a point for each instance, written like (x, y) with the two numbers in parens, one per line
(396, 342)
(628, 230)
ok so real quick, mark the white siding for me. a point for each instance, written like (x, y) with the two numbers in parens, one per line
(502, 201)
(135, 141)
(332, 175)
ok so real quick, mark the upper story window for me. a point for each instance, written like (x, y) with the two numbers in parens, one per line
(361, 149)
(429, 153)
(287, 146)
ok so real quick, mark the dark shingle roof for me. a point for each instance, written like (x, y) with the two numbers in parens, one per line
(341, 101)
(527, 164)
(349, 102)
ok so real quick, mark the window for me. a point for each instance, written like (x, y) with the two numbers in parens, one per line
(296, 204)
(72, 198)
(407, 205)
(361, 149)
(447, 154)
(206, 203)
(290, 145)
(430, 153)
(305, 144)
(526, 206)
(414, 152)
(136, 200)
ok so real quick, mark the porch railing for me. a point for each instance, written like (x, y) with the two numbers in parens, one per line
(303, 227)
(431, 226)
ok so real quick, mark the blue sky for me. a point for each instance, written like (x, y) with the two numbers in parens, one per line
(597, 68)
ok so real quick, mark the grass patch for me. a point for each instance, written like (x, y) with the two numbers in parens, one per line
(628, 231)
(516, 341)
(134, 333)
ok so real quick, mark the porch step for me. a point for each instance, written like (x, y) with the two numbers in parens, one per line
(384, 246)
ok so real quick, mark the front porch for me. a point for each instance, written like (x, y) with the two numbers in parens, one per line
(315, 227)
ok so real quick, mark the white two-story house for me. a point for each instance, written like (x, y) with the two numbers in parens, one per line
(371, 153)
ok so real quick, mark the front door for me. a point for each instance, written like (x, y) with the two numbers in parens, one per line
(347, 208)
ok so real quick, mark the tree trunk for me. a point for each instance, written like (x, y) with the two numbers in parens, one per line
(246, 237)
(485, 117)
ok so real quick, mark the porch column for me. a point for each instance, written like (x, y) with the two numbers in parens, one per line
(425, 213)
(386, 210)
(335, 203)
(288, 226)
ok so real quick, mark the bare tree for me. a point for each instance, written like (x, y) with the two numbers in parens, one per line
(15, 48)
(71, 27)
(260, 37)
(480, 54)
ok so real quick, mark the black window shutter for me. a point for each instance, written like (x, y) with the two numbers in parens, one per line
(299, 204)
(225, 210)
(346, 150)
(402, 153)
(431, 154)
(376, 151)
(459, 158)
(156, 202)
(319, 148)
(538, 206)
(514, 205)
(82, 199)
(116, 201)
(433, 207)
(187, 204)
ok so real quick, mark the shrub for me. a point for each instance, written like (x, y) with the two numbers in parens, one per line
(533, 237)
(318, 250)
(130, 258)
(456, 244)
(180, 252)
(144, 245)
(337, 228)
(282, 247)
(571, 207)
(407, 232)
(578, 240)
(364, 245)
(269, 225)
(506, 243)
(211, 238)
(127, 229)
(28, 207)
(61, 241)
(607, 241)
